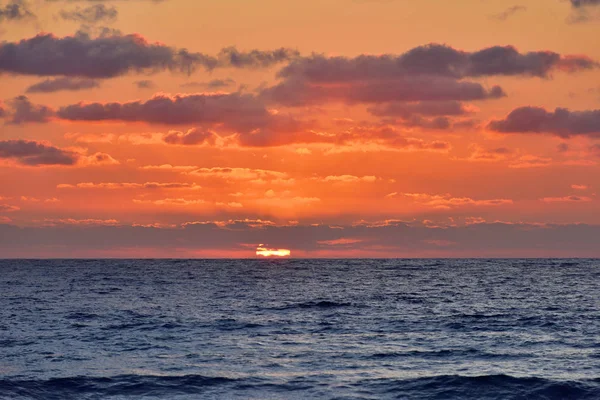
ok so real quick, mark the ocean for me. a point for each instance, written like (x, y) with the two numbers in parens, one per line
(300, 329)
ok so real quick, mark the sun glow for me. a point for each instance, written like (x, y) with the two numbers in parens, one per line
(264, 252)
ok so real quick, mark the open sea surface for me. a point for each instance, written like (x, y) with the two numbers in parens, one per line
(300, 329)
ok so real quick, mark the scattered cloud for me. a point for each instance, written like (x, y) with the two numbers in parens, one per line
(446, 201)
(65, 83)
(561, 122)
(96, 13)
(566, 199)
(112, 55)
(509, 12)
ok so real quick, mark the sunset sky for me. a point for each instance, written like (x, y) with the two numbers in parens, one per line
(332, 128)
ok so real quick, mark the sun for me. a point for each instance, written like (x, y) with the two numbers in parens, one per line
(265, 252)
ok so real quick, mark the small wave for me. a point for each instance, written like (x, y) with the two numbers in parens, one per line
(125, 385)
(488, 387)
(324, 304)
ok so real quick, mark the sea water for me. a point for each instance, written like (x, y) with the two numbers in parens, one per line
(300, 329)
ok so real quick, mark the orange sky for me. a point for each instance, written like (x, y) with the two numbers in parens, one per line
(334, 128)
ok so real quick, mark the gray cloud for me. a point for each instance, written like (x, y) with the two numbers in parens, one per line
(426, 73)
(214, 84)
(33, 153)
(433, 59)
(560, 122)
(91, 15)
(509, 12)
(241, 113)
(404, 89)
(114, 55)
(64, 83)
(584, 3)
(22, 110)
(16, 10)
(582, 11)
(145, 84)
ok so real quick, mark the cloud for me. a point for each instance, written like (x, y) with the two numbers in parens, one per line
(401, 89)
(91, 15)
(145, 84)
(79, 222)
(566, 199)
(530, 161)
(432, 72)
(560, 122)
(238, 173)
(64, 83)
(446, 201)
(397, 239)
(430, 108)
(4, 208)
(130, 185)
(16, 10)
(33, 153)
(211, 85)
(480, 154)
(36, 154)
(168, 167)
(239, 113)
(22, 110)
(582, 10)
(193, 136)
(169, 202)
(114, 54)
(433, 60)
(349, 179)
(509, 12)
(97, 159)
(579, 187)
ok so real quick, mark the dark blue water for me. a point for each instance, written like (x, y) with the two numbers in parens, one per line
(300, 329)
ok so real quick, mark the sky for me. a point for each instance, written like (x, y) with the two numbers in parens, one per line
(329, 128)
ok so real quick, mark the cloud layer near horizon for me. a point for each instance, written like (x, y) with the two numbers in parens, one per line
(90, 238)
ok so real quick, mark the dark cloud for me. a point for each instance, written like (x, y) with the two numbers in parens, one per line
(64, 83)
(433, 59)
(145, 84)
(91, 15)
(232, 57)
(22, 110)
(582, 11)
(509, 12)
(584, 3)
(427, 73)
(16, 10)
(394, 239)
(214, 84)
(561, 122)
(562, 147)
(33, 153)
(237, 112)
(114, 54)
(405, 89)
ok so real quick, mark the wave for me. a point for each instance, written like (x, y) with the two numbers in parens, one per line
(101, 387)
(487, 387)
(322, 304)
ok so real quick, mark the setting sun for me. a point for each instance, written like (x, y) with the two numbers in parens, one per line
(264, 252)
